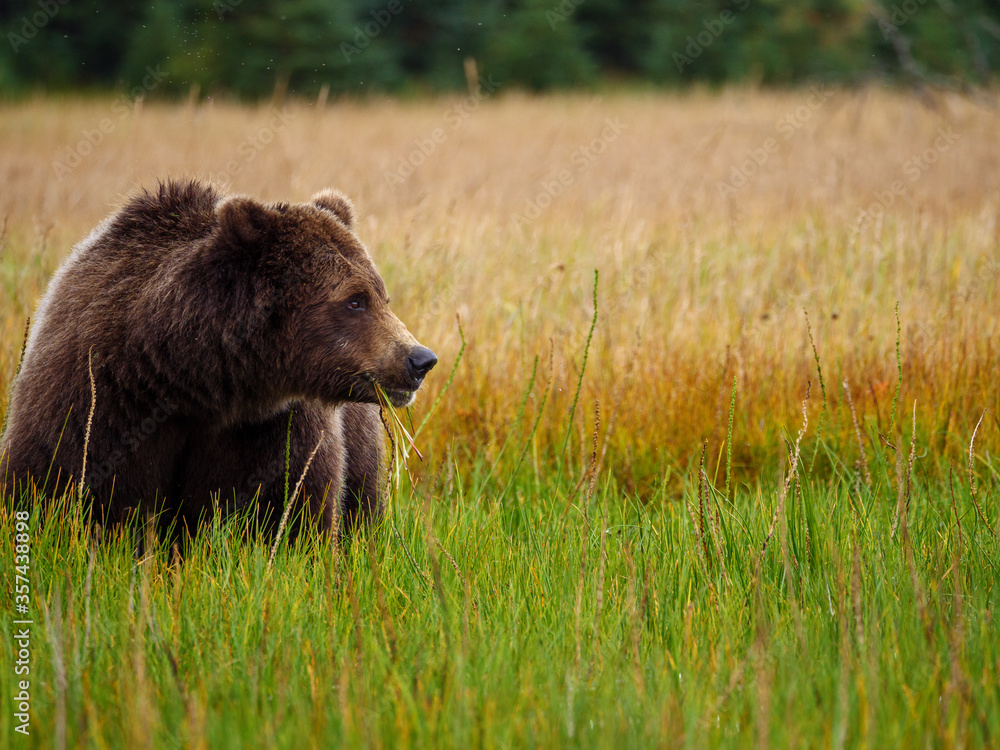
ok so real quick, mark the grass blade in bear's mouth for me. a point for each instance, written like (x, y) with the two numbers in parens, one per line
(399, 399)
(385, 400)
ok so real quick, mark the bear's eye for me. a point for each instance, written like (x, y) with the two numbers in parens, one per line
(357, 304)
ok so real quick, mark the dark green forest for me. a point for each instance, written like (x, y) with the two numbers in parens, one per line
(250, 48)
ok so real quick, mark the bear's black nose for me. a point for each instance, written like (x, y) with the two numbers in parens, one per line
(420, 361)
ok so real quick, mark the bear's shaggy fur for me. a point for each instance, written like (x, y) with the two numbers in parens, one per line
(204, 320)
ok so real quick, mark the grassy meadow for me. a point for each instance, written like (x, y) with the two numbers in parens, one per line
(717, 466)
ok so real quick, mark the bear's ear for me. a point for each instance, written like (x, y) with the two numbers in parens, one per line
(337, 203)
(245, 221)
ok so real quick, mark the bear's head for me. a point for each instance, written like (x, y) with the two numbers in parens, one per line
(319, 307)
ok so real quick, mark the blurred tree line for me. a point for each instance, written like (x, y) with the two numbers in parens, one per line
(250, 48)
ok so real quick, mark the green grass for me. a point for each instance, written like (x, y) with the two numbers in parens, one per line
(545, 620)
(541, 581)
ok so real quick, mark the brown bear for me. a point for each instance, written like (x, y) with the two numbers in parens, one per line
(204, 320)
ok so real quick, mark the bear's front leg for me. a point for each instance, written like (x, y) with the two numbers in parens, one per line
(243, 467)
(364, 446)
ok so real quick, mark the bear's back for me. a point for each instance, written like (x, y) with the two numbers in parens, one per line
(95, 286)
(88, 307)
(177, 213)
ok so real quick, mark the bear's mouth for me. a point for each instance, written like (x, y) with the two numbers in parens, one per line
(398, 398)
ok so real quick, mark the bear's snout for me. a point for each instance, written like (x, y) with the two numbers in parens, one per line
(420, 361)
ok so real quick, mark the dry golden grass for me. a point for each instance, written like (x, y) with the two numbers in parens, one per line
(696, 287)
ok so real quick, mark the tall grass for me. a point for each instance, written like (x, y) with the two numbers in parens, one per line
(550, 576)
(479, 623)
(696, 286)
